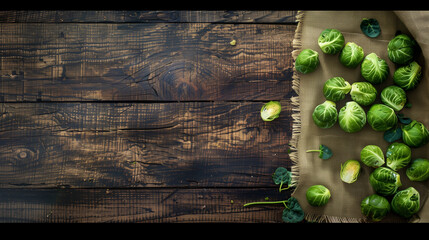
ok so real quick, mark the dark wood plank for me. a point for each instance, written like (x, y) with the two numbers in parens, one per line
(199, 144)
(139, 205)
(119, 16)
(145, 62)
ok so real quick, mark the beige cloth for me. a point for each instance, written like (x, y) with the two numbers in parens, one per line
(344, 204)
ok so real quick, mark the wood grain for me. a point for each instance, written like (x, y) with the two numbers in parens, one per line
(175, 16)
(139, 205)
(136, 144)
(138, 62)
(143, 116)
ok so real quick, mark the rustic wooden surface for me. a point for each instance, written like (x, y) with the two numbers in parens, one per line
(143, 116)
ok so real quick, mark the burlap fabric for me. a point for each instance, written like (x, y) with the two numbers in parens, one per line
(344, 205)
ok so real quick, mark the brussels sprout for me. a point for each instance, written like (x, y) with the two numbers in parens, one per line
(401, 49)
(307, 61)
(374, 69)
(394, 97)
(415, 134)
(336, 88)
(318, 195)
(409, 76)
(375, 207)
(418, 170)
(325, 115)
(270, 111)
(385, 181)
(331, 41)
(406, 202)
(398, 155)
(372, 156)
(351, 55)
(350, 171)
(363, 93)
(381, 117)
(351, 117)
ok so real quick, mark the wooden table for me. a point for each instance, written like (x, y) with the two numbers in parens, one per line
(143, 116)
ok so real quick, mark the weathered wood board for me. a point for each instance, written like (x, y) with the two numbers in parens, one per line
(143, 116)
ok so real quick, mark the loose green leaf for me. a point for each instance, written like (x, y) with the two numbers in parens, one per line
(293, 212)
(282, 176)
(408, 105)
(403, 119)
(370, 27)
(392, 134)
(324, 152)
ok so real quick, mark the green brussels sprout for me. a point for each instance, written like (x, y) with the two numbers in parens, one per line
(372, 156)
(374, 69)
(318, 195)
(385, 181)
(418, 170)
(406, 202)
(271, 111)
(336, 88)
(331, 41)
(351, 55)
(307, 61)
(398, 155)
(415, 134)
(409, 76)
(363, 93)
(394, 97)
(351, 117)
(401, 49)
(375, 207)
(381, 117)
(325, 115)
(350, 171)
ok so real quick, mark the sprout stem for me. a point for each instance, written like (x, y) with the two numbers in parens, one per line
(313, 151)
(275, 202)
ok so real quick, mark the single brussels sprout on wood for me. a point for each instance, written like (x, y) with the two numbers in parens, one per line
(271, 111)
(398, 155)
(372, 156)
(307, 61)
(374, 69)
(352, 117)
(351, 55)
(363, 93)
(418, 170)
(336, 88)
(325, 115)
(406, 202)
(401, 49)
(331, 41)
(381, 117)
(394, 97)
(385, 181)
(408, 77)
(415, 134)
(375, 207)
(350, 171)
(318, 195)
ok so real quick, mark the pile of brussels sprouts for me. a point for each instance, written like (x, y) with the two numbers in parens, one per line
(384, 117)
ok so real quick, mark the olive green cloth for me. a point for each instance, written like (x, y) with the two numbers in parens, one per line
(344, 205)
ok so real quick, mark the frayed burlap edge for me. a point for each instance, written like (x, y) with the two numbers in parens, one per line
(296, 116)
